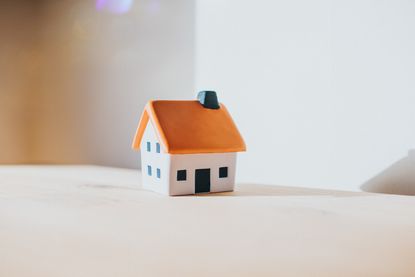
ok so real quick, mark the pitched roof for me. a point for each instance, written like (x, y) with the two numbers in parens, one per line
(186, 127)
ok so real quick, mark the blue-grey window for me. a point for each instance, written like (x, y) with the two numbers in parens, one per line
(223, 172)
(158, 147)
(148, 146)
(181, 175)
(149, 170)
(158, 173)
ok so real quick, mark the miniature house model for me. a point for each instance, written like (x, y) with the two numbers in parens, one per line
(188, 147)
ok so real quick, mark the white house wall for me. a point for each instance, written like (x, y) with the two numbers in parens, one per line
(191, 162)
(170, 164)
(155, 160)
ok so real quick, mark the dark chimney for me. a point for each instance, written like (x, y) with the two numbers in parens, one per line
(208, 99)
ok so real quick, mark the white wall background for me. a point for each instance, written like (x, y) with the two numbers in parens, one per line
(323, 91)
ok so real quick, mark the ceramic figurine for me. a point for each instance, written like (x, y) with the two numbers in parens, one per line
(188, 147)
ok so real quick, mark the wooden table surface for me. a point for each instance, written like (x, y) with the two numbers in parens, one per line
(90, 221)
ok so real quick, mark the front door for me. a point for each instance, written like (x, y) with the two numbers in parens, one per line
(202, 182)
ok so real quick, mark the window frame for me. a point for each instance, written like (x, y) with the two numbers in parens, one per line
(182, 178)
(158, 173)
(224, 172)
(158, 147)
(148, 146)
(149, 170)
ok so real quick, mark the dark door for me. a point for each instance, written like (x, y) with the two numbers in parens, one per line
(202, 182)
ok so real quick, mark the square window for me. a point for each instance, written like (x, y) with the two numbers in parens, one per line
(149, 170)
(158, 147)
(148, 146)
(158, 173)
(223, 172)
(181, 175)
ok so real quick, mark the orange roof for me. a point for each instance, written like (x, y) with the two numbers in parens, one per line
(186, 127)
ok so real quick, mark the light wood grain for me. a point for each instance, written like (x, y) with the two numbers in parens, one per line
(94, 221)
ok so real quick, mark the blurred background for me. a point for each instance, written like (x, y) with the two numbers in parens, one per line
(322, 91)
(75, 75)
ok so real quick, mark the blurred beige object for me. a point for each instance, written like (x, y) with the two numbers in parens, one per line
(96, 221)
(73, 79)
(17, 79)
